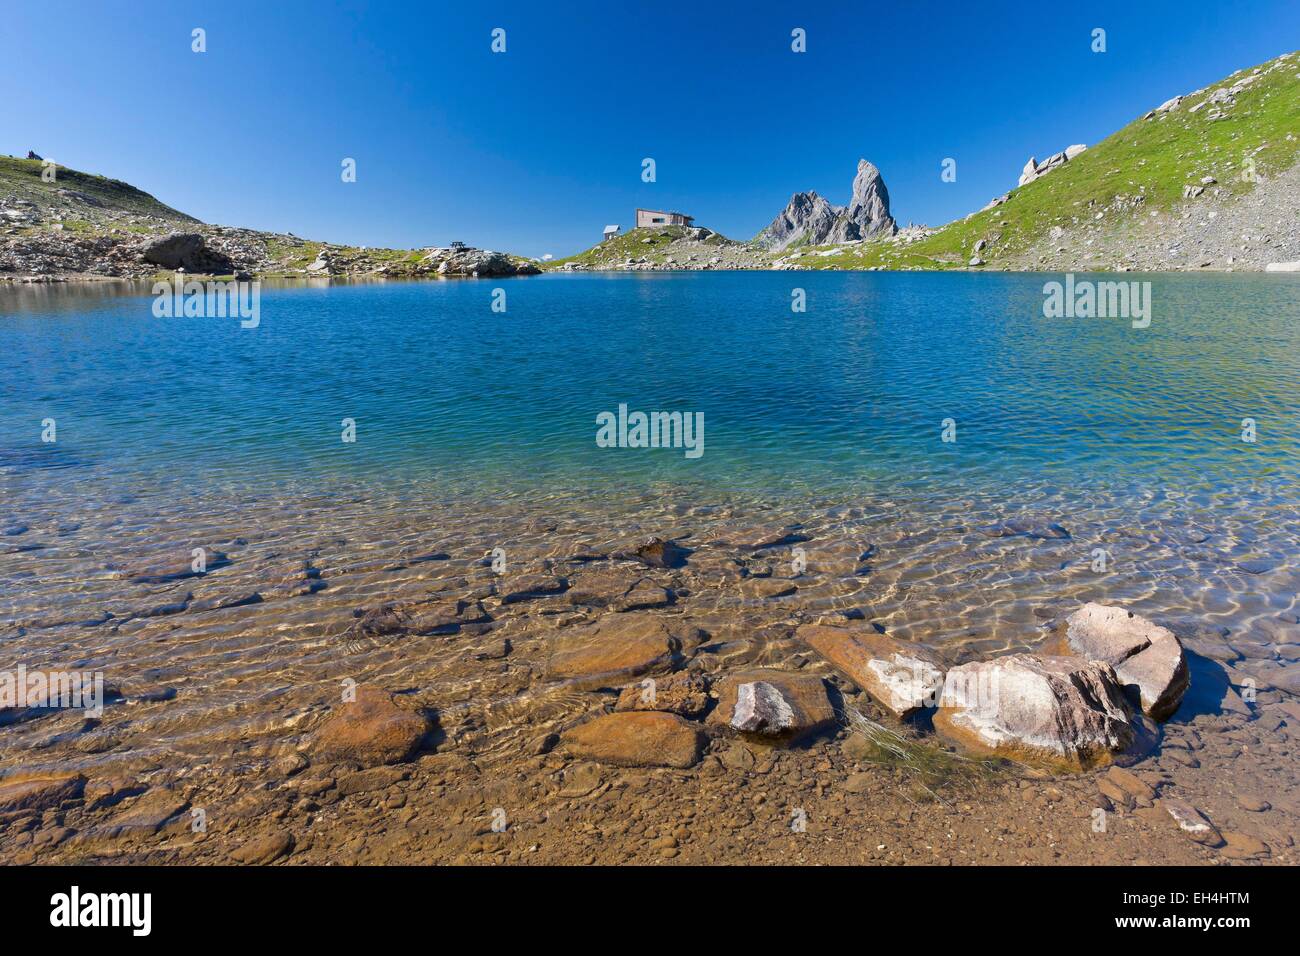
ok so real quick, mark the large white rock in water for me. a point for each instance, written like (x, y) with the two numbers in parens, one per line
(1148, 659)
(1059, 712)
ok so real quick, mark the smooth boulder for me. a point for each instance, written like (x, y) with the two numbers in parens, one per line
(646, 738)
(371, 730)
(619, 645)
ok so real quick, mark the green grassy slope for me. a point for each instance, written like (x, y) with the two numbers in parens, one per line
(1149, 158)
(635, 244)
(22, 178)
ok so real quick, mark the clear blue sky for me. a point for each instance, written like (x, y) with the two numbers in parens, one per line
(535, 150)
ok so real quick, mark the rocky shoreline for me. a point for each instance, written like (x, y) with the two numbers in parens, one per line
(677, 739)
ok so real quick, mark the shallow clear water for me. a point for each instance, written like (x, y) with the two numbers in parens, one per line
(476, 429)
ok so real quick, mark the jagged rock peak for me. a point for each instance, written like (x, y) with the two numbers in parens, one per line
(808, 219)
(805, 220)
(868, 211)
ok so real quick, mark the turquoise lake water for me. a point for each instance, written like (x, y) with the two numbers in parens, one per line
(477, 429)
(850, 394)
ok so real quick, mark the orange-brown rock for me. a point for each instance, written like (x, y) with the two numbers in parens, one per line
(772, 703)
(371, 730)
(681, 693)
(620, 645)
(636, 739)
(901, 676)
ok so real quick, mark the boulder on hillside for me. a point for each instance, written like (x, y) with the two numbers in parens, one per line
(1148, 659)
(188, 251)
(1034, 169)
(1059, 712)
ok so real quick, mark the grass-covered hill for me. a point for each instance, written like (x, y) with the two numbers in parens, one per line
(663, 247)
(1174, 189)
(1248, 138)
(78, 224)
(21, 178)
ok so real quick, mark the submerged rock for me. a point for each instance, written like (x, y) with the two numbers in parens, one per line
(1059, 712)
(682, 693)
(531, 586)
(1192, 822)
(1147, 658)
(184, 563)
(636, 739)
(620, 645)
(418, 618)
(760, 539)
(371, 730)
(902, 677)
(657, 553)
(772, 703)
(619, 589)
(1042, 531)
(764, 589)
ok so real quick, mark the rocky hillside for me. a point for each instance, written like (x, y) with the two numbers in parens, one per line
(808, 220)
(665, 248)
(84, 226)
(1204, 180)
